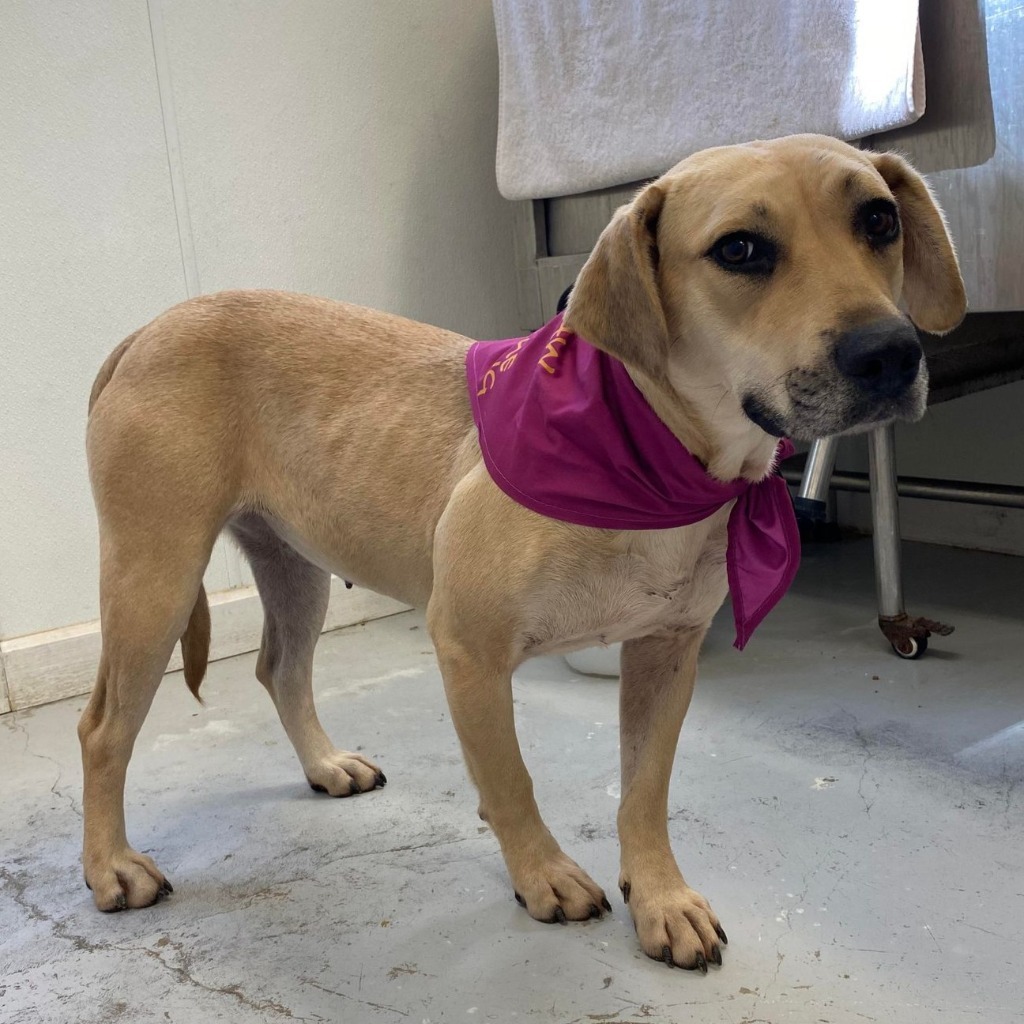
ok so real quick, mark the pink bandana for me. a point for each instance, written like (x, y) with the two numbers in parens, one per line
(565, 432)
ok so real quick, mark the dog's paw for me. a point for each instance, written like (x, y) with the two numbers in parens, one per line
(675, 925)
(126, 881)
(557, 890)
(344, 774)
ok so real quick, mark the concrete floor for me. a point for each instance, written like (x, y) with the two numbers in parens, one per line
(857, 821)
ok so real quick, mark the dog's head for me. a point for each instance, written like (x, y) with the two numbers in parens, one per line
(774, 272)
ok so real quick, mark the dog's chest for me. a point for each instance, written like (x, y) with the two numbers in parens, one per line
(648, 582)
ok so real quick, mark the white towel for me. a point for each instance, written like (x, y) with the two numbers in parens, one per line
(595, 93)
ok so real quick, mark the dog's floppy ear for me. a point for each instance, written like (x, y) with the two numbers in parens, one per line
(933, 289)
(615, 303)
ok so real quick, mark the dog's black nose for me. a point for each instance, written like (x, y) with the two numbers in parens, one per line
(881, 358)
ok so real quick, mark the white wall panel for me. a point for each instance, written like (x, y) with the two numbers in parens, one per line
(346, 149)
(88, 252)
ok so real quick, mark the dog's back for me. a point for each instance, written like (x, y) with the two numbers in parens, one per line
(289, 405)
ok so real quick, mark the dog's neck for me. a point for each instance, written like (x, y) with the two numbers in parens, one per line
(707, 418)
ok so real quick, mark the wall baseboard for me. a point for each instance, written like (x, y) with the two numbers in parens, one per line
(59, 663)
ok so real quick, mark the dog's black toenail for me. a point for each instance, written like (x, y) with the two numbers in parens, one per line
(604, 903)
(716, 955)
(595, 910)
(519, 899)
(353, 788)
(720, 932)
(315, 786)
(702, 964)
(121, 903)
(666, 955)
(381, 779)
(87, 885)
(559, 916)
(626, 890)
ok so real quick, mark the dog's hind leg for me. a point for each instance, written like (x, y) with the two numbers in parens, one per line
(294, 593)
(148, 590)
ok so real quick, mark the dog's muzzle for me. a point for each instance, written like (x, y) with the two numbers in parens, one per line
(881, 359)
(872, 374)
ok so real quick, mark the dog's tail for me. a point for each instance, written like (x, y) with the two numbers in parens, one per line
(195, 644)
(195, 641)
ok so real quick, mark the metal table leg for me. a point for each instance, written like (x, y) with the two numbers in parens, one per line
(821, 460)
(908, 636)
(811, 502)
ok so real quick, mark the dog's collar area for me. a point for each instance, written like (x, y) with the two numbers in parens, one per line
(565, 432)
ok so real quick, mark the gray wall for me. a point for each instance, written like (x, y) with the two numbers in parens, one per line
(149, 151)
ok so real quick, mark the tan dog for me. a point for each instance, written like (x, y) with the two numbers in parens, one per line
(750, 292)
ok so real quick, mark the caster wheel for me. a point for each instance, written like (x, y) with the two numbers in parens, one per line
(912, 648)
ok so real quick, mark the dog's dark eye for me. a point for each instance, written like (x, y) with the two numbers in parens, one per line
(744, 252)
(880, 221)
(739, 250)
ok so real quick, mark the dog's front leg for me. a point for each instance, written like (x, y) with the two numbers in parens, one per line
(673, 922)
(478, 683)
